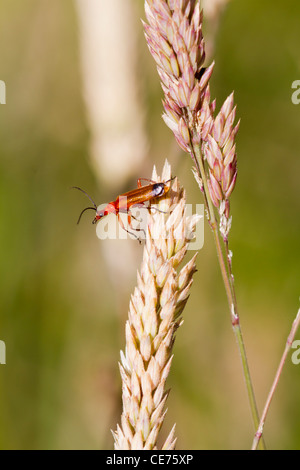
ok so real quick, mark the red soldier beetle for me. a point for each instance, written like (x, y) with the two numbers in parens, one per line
(134, 198)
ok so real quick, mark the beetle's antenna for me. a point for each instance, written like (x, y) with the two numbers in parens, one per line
(171, 179)
(83, 212)
(76, 187)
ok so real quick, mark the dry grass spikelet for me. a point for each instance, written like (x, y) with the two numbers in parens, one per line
(155, 313)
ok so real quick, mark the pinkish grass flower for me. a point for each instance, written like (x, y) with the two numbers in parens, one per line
(175, 40)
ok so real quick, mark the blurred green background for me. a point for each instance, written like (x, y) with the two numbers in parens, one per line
(63, 309)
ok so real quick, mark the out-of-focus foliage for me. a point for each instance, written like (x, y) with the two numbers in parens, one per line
(62, 316)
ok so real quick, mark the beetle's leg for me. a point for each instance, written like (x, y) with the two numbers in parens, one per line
(136, 218)
(158, 210)
(137, 229)
(139, 184)
(129, 224)
(138, 206)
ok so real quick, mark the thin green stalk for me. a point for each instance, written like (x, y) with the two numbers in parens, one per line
(258, 434)
(230, 292)
(230, 274)
(195, 153)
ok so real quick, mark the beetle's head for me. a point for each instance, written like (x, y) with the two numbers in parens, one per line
(98, 216)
